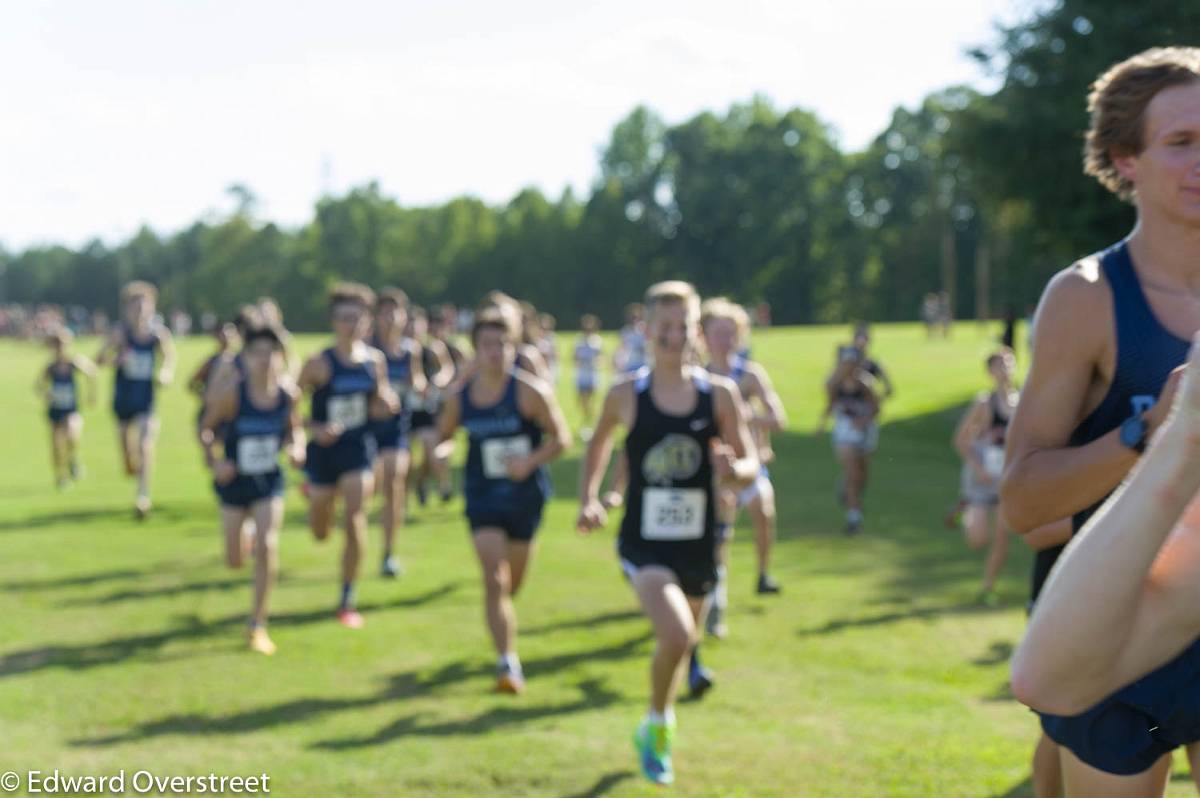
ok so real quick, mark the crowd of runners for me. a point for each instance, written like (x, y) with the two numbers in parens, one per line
(679, 441)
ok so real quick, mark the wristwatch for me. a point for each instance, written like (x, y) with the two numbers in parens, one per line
(1133, 433)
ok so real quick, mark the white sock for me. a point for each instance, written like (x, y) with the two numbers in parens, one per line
(664, 718)
(721, 592)
(511, 661)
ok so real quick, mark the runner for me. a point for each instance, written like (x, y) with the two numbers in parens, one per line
(391, 434)
(854, 406)
(687, 430)
(979, 440)
(1107, 334)
(260, 417)
(588, 350)
(437, 365)
(547, 343)
(56, 384)
(349, 388)
(631, 353)
(726, 329)
(515, 427)
(135, 347)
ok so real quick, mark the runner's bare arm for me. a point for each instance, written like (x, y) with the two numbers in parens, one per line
(1122, 599)
(968, 431)
(166, 346)
(112, 345)
(775, 418)
(617, 410)
(221, 409)
(88, 369)
(542, 406)
(732, 422)
(1045, 479)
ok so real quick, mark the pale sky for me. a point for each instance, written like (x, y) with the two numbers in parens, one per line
(118, 113)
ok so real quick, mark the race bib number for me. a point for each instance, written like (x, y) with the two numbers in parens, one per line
(400, 388)
(62, 396)
(138, 365)
(498, 451)
(673, 514)
(993, 461)
(350, 411)
(413, 400)
(844, 431)
(258, 454)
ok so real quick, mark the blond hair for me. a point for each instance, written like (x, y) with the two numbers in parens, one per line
(351, 293)
(720, 307)
(1117, 104)
(139, 288)
(671, 292)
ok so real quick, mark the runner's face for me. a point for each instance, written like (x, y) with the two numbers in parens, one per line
(139, 309)
(721, 337)
(262, 357)
(350, 321)
(1167, 172)
(1002, 368)
(670, 331)
(494, 349)
(391, 317)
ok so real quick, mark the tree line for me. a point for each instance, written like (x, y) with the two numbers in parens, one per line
(978, 194)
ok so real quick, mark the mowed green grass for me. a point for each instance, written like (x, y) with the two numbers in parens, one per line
(873, 674)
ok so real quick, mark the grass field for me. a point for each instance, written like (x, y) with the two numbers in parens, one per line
(873, 674)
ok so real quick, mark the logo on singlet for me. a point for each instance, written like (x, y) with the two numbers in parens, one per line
(673, 459)
(1142, 403)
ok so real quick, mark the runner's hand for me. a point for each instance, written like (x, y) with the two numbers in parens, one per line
(592, 516)
(224, 472)
(327, 434)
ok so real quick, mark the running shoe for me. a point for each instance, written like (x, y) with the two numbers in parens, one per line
(258, 640)
(509, 680)
(653, 744)
(767, 585)
(391, 567)
(350, 618)
(700, 679)
(715, 623)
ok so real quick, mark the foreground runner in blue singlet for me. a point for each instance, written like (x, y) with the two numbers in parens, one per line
(515, 427)
(135, 347)
(1108, 332)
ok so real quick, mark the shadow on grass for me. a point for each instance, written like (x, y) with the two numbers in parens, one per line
(1022, 790)
(593, 695)
(604, 784)
(228, 583)
(188, 627)
(881, 619)
(584, 622)
(999, 651)
(82, 580)
(400, 686)
(168, 512)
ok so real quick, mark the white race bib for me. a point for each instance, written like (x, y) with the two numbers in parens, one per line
(413, 400)
(350, 411)
(498, 451)
(993, 461)
(400, 388)
(673, 513)
(62, 395)
(258, 454)
(845, 431)
(138, 365)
